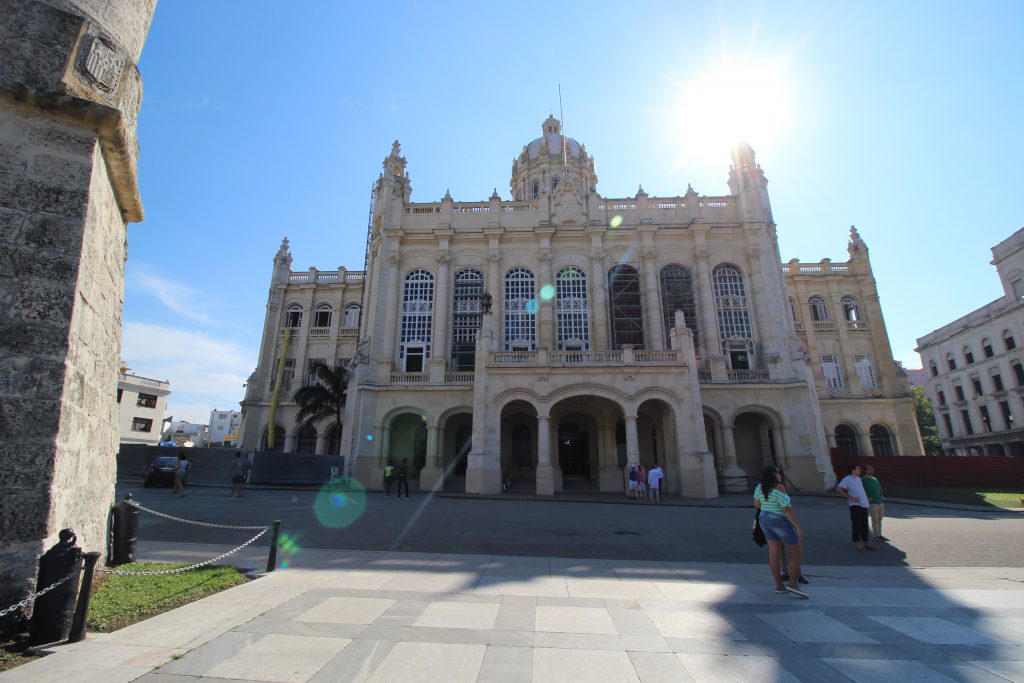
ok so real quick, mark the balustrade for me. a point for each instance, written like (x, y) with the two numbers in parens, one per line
(858, 325)
(458, 378)
(747, 376)
(409, 377)
(319, 331)
(824, 326)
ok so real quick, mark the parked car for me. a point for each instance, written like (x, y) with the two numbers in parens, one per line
(161, 471)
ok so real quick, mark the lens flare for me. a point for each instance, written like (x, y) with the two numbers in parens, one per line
(547, 292)
(615, 222)
(369, 437)
(531, 306)
(288, 548)
(339, 505)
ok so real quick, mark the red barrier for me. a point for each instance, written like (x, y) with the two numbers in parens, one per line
(937, 470)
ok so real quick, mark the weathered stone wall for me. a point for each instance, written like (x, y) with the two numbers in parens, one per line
(69, 96)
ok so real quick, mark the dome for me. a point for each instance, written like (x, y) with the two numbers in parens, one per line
(551, 141)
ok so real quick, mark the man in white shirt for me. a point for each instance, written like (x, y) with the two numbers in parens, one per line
(654, 483)
(852, 488)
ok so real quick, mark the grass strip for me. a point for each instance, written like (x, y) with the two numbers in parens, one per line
(962, 495)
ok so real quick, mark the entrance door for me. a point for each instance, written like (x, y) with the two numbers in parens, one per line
(463, 444)
(414, 358)
(573, 450)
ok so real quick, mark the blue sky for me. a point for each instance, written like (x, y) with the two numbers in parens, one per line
(266, 119)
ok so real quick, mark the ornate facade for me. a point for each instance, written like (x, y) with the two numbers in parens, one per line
(556, 337)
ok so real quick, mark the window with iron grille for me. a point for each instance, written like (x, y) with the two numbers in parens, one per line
(466, 317)
(986, 419)
(417, 311)
(311, 377)
(946, 420)
(677, 295)
(520, 310)
(865, 372)
(997, 379)
(731, 304)
(573, 312)
(626, 309)
(1004, 406)
(830, 370)
(881, 440)
(966, 418)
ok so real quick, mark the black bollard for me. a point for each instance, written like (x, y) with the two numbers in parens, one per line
(53, 612)
(124, 531)
(82, 608)
(272, 558)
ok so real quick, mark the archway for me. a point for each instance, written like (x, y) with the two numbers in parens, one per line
(333, 440)
(574, 447)
(409, 442)
(278, 444)
(305, 440)
(585, 448)
(846, 438)
(456, 444)
(519, 444)
(754, 437)
(881, 441)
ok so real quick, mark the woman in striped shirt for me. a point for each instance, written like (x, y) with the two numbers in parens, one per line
(780, 526)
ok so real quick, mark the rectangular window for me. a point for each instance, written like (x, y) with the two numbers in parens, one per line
(1018, 371)
(959, 390)
(997, 380)
(966, 417)
(865, 372)
(310, 375)
(142, 424)
(976, 385)
(119, 392)
(969, 357)
(942, 396)
(1004, 406)
(949, 425)
(986, 419)
(987, 348)
(146, 401)
(322, 317)
(287, 376)
(830, 370)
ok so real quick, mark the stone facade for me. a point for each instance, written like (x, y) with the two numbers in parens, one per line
(69, 98)
(557, 337)
(975, 367)
(141, 405)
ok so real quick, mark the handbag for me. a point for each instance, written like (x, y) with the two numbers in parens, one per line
(756, 532)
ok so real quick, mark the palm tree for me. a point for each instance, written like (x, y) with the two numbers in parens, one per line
(325, 398)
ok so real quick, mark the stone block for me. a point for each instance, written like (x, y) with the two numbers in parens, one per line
(31, 417)
(35, 196)
(39, 300)
(19, 338)
(50, 232)
(21, 263)
(11, 222)
(15, 525)
(61, 171)
(27, 464)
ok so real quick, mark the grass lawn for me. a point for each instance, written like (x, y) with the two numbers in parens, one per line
(1003, 498)
(118, 601)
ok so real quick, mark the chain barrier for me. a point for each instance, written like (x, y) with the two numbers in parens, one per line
(19, 605)
(180, 570)
(189, 521)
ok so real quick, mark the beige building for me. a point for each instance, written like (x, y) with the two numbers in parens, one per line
(975, 367)
(556, 337)
(141, 404)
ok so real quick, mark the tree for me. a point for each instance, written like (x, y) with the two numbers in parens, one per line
(926, 422)
(324, 399)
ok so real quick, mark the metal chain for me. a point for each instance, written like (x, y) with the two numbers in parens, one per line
(5, 612)
(189, 521)
(180, 570)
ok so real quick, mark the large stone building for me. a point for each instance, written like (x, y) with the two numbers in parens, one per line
(558, 336)
(975, 367)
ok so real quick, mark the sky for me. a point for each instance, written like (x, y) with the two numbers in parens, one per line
(266, 119)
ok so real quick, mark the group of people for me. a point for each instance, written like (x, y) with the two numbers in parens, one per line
(399, 474)
(642, 484)
(239, 474)
(863, 493)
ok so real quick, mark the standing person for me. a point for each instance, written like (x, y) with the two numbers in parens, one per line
(180, 471)
(403, 478)
(239, 470)
(632, 482)
(852, 488)
(389, 478)
(876, 508)
(780, 527)
(654, 482)
(641, 482)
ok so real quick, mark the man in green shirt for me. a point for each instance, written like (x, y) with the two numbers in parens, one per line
(876, 508)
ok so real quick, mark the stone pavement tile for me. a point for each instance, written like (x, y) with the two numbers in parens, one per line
(578, 568)
(447, 582)
(359, 578)
(536, 586)
(657, 667)
(874, 670)
(1009, 629)
(612, 588)
(920, 651)
(459, 563)
(578, 641)
(753, 627)
(716, 646)
(402, 613)
(185, 627)
(285, 626)
(693, 624)
(94, 663)
(290, 659)
(1010, 670)
(357, 662)
(513, 638)
(504, 664)
(971, 653)
(937, 631)
(985, 599)
(725, 669)
(382, 632)
(706, 592)
(977, 672)
(202, 658)
(458, 615)
(346, 610)
(814, 627)
(524, 567)
(644, 644)
(633, 622)
(463, 636)
(645, 571)
(399, 562)
(516, 617)
(430, 662)
(582, 665)
(571, 602)
(811, 670)
(574, 620)
(468, 597)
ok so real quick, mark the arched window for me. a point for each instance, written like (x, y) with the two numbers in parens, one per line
(554, 182)
(520, 310)
(535, 189)
(278, 444)
(950, 362)
(792, 310)
(968, 355)
(417, 320)
(293, 316)
(333, 440)
(677, 295)
(626, 311)
(819, 309)
(352, 312)
(322, 316)
(305, 440)
(1009, 341)
(466, 317)
(851, 311)
(734, 326)
(986, 346)
(933, 368)
(846, 438)
(573, 317)
(881, 441)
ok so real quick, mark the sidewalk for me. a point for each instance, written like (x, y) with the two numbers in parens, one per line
(334, 616)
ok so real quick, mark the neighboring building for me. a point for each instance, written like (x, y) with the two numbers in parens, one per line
(187, 434)
(559, 336)
(916, 377)
(975, 367)
(224, 425)
(141, 403)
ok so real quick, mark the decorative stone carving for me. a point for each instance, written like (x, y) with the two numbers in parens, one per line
(101, 64)
(754, 253)
(545, 255)
(597, 255)
(567, 201)
(647, 253)
(444, 258)
(394, 258)
(494, 257)
(702, 253)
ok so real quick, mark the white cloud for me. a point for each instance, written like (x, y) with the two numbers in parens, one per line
(188, 302)
(205, 372)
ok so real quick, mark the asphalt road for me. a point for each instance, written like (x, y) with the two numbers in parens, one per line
(921, 536)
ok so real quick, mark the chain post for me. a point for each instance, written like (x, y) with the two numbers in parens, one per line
(84, 593)
(272, 558)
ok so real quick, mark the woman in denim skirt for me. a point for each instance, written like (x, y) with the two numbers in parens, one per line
(780, 527)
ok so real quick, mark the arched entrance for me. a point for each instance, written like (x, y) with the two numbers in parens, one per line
(409, 442)
(456, 443)
(846, 438)
(519, 445)
(574, 447)
(585, 452)
(881, 441)
(754, 437)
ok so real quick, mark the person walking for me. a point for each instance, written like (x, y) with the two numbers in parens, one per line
(239, 473)
(654, 482)
(781, 528)
(641, 482)
(389, 478)
(180, 472)
(852, 488)
(403, 478)
(876, 508)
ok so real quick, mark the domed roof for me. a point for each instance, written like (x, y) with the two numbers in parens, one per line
(552, 140)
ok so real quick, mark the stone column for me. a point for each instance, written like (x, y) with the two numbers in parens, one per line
(732, 468)
(652, 311)
(70, 92)
(383, 442)
(599, 300)
(321, 442)
(546, 307)
(545, 472)
(632, 441)
(442, 309)
(711, 343)
(289, 443)
(431, 476)
(392, 301)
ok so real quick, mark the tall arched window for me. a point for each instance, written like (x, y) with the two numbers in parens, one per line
(520, 310)
(847, 438)
(352, 312)
(792, 310)
(305, 440)
(968, 355)
(466, 316)
(322, 316)
(417, 320)
(535, 189)
(819, 309)
(1009, 341)
(677, 295)
(554, 182)
(573, 316)
(626, 309)
(881, 441)
(293, 316)
(933, 368)
(986, 346)
(950, 362)
(734, 326)
(278, 444)
(851, 311)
